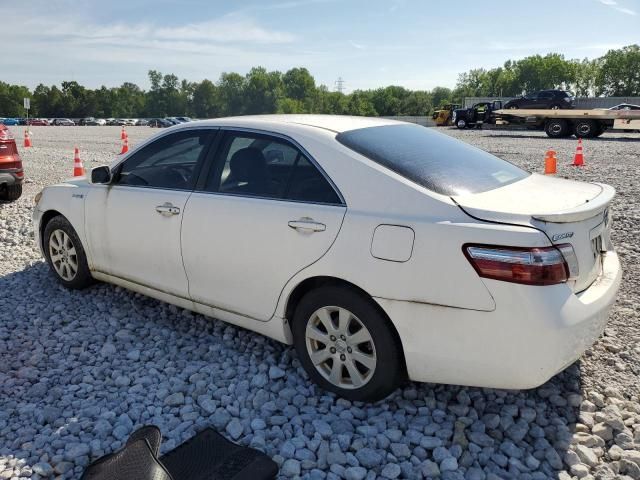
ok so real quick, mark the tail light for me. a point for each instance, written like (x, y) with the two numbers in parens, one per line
(528, 266)
(6, 135)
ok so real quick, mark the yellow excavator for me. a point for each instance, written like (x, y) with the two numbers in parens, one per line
(443, 114)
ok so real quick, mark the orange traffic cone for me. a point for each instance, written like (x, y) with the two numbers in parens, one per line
(550, 162)
(78, 168)
(125, 145)
(578, 159)
(123, 133)
(27, 139)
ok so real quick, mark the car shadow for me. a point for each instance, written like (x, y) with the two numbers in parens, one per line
(80, 370)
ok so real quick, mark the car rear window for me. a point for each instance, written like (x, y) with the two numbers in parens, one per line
(431, 159)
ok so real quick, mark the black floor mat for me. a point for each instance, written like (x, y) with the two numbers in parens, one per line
(209, 456)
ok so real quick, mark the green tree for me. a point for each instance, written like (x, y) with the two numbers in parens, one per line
(299, 84)
(206, 100)
(619, 73)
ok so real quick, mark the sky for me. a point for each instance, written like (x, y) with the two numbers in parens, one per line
(418, 44)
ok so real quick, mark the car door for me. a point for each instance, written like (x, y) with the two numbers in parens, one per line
(264, 211)
(133, 223)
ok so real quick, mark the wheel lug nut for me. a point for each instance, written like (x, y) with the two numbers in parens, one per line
(332, 350)
(342, 357)
(349, 349)
(343, 337)
(333, 339)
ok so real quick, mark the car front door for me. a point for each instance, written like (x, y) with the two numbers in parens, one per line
(133, 224)
(265, 212)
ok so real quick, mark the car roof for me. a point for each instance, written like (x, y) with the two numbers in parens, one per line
(333, 123)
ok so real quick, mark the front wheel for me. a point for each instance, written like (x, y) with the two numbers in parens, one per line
(65, 254)
(346, 344)
(461, 124)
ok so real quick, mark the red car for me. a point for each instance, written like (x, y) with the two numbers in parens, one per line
(11, 172)
(38, 121)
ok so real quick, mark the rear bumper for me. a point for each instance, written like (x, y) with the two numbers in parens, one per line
(534, 333)
(11, 178)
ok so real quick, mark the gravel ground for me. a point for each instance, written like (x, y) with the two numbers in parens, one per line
(80, 370)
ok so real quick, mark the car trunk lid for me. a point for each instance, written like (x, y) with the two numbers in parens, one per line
(568, 212)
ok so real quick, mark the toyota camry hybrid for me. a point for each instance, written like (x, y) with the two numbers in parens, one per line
(384, 251)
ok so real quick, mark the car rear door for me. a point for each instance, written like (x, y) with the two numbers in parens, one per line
(263, 212)
(133, 224)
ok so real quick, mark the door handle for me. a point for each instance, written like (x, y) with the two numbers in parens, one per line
(167, 209)
(307, 224)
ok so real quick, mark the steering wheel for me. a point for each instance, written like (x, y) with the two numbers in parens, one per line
(181, 170)
(131, 175)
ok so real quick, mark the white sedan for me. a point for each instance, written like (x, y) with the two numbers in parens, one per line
(382, 250)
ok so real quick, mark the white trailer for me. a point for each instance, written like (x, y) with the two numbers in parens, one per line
(564, 122)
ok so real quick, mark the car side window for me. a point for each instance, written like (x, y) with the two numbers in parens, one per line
(258, 165)
(170, 162)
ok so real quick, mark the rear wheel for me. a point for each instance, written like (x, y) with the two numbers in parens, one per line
(346, 345)
(586, 129)
(557, 128)
(65, 254)
(556, 106)
(11, 193)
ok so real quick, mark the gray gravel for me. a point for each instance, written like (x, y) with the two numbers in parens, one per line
(80, 370)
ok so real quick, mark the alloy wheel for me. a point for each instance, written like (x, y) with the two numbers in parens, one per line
(340, 347)
(62, 253)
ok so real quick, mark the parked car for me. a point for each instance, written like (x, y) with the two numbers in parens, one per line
(11, 172)
(551, 99)
(63, 122)
(142, 122)
(159, 123)
(38, 122)
(89, 121)
(101, 121)
(183, 119)
(625, 106)
(10, 122)
(382, 250)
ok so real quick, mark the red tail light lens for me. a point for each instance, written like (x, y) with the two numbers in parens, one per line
(529, 266)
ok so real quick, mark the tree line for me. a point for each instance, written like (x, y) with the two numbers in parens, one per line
(617, 73)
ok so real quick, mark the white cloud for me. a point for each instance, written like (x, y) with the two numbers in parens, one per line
(616, 6)
(627, 11)
(358, 46)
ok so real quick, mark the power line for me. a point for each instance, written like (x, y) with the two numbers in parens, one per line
(339, 85)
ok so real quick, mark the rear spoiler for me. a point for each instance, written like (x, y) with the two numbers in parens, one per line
(582, 212)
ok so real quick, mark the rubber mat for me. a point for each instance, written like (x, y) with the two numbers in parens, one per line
(210, 456)
(206, 456)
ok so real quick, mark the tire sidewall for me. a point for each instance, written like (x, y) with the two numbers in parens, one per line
(389, 368)
(83, 276)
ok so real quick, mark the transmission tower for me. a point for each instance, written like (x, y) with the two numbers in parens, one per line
(339, 85)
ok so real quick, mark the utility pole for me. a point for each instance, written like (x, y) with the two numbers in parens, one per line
(339, 85)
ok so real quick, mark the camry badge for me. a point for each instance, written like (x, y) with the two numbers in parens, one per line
(560, 236)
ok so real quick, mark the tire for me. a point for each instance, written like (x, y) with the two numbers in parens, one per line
(557, 128)
(513, 107)
(384, 370)
(11, 193)
(556, 106)
(585, 129)
(60, 239)
(461, 124)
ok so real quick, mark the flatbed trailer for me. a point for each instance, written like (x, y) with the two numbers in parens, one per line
(566, 122)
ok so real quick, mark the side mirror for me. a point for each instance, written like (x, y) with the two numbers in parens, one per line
(101, 175)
